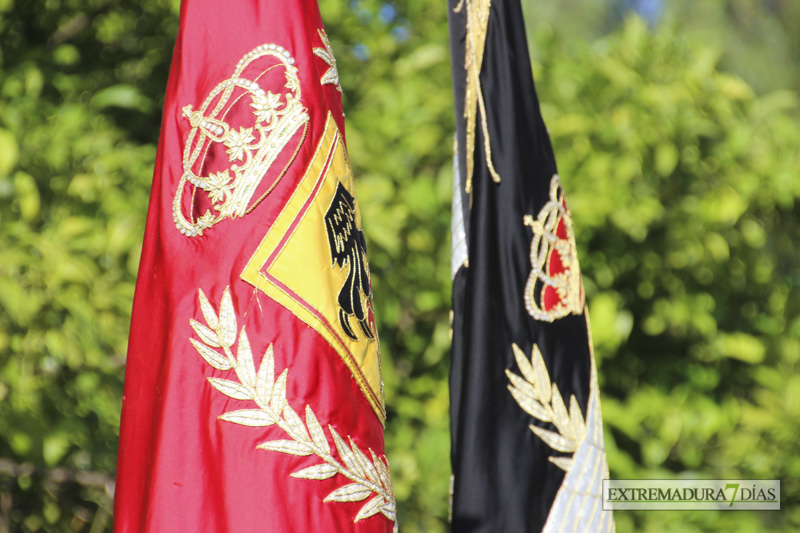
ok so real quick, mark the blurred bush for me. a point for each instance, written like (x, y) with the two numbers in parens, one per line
(683, 183)
(80, 85)
(684, 189)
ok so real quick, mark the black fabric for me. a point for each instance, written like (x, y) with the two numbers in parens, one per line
(503, 478)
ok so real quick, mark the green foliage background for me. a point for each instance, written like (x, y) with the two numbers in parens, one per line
(679, 147)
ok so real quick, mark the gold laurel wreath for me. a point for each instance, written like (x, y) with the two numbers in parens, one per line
(541, 399)
(368, 476)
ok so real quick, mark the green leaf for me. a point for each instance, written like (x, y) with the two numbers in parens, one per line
(20, 305)
(741, 346)
(9, 152)
(27, 195)
(124, 96)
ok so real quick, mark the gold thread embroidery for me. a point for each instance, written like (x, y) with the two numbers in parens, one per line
(558, 283)
(288, 267)
(581, 487)
(477, 26)
(369, 475)
(250, 150)
(331, 75)
(541, 399)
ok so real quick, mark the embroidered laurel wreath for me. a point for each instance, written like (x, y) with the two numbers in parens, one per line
(369, 475)
(542, 400)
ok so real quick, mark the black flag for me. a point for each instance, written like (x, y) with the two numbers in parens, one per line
(527, 439)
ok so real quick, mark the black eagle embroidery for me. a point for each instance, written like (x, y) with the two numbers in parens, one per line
(348, 248)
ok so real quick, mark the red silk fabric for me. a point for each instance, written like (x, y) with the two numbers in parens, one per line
(180, 467)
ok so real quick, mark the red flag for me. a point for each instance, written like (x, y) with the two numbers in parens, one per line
(253, 397)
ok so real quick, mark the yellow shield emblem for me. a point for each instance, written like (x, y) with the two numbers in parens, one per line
(313, 262)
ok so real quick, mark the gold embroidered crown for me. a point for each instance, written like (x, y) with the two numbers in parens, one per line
(237, 134)
(555, 274)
